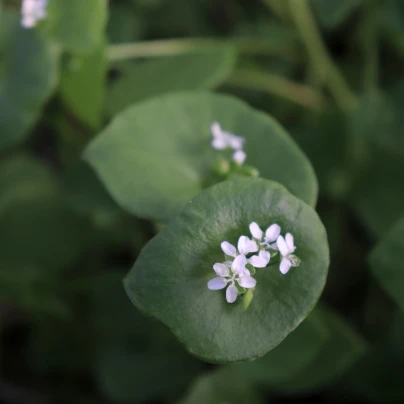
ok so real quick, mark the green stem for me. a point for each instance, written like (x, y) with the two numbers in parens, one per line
(170, 47)
(300, 94)
(326, 69)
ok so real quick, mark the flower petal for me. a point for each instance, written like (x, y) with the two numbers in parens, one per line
(261, 260)
(234, 141)
(285, 265)
(272, 233)
(290, 243)
(246, 246)
(239, 157)
(247, 282)
(221, 270)
(238, 265)
(229, 249)
(219, 143)
(283, 248)
(255, 230)
(216, 130)
(231, 293)
(217, 283)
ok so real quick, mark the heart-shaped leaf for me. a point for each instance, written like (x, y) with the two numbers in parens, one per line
(169, 279)
(157, 155)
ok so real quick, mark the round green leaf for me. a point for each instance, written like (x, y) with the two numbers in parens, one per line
(169, 279)
(193, 71)
(157, 155)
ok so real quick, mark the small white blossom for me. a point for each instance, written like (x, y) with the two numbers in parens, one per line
(244, 246)
(239, 157)
(271, 235)
(231, 272)
(33, 11)
(223, 140)
(287, 247)
(261, 260)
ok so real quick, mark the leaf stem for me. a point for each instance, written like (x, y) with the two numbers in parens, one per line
(323, 64)
(257, 80)
(170, 47)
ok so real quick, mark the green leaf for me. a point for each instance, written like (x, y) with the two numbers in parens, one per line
(193, 71)
(387, 262)
(342, 349)
(290, 357)
(332, 13)
(37, 227)
(169, 279)
(27, 78)
(137, 359)
(221, 386)
(157, 155)
(77, 25)
(82, 86)
(40, 236)
(378, 196)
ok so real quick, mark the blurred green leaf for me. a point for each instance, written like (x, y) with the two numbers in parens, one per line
(39, 236)
(27, 78)
(82, 86)
(325, 141)
(393, 23)
(37, 228)
(342, 350)
(124, 24)
(291, 356)
(387, 262)
(147, 79)
(222, 386)
(169, 279)
(157, 155)
(332, 13)
(77, 25)
(137, 360)
(378, 195)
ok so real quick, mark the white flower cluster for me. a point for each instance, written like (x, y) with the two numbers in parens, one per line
(32, 11)
(234, 269)
(224, 140)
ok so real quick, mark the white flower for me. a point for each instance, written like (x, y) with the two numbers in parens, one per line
(223, 140)
(261, 260)
(238, 273)
(271, 234)
(287, 247)
(33, 11)
(239, 157)
(244, 245)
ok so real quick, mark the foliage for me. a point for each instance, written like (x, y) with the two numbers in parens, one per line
(122, 173)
